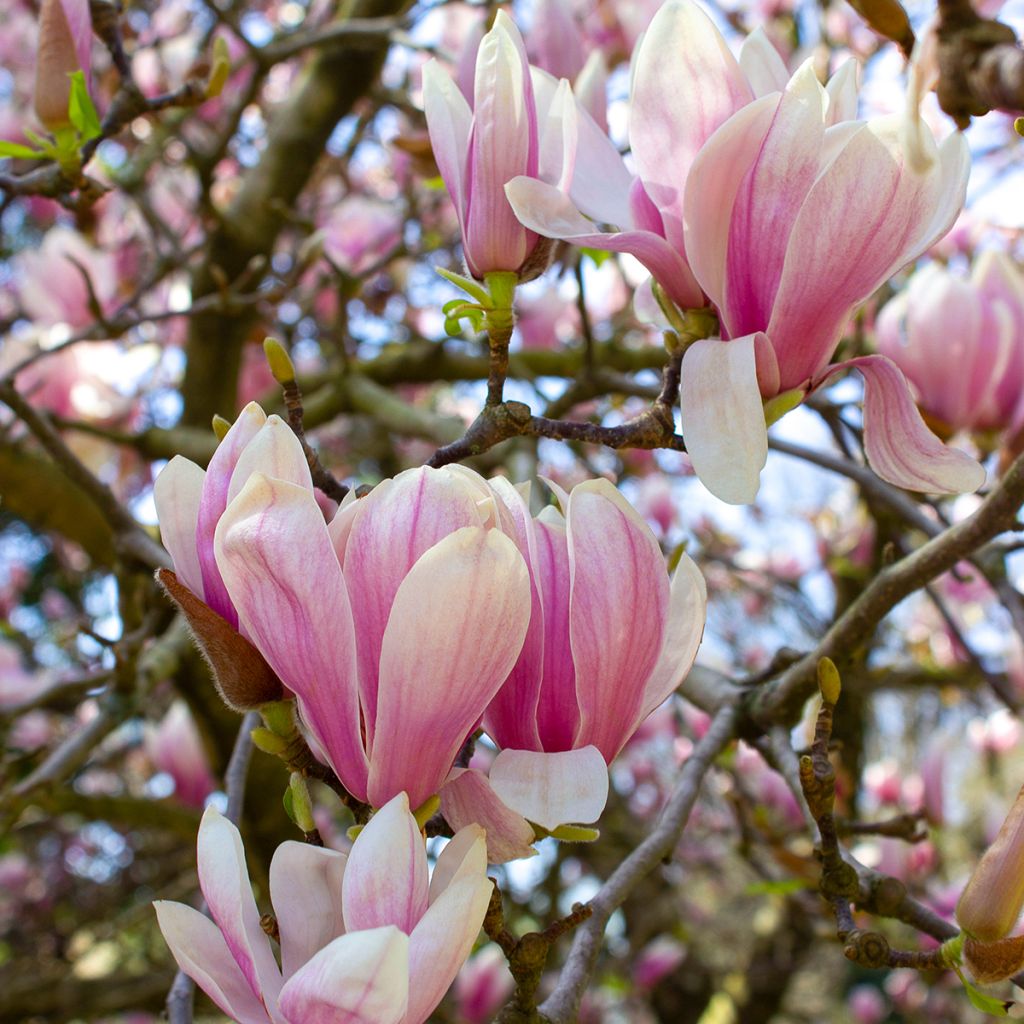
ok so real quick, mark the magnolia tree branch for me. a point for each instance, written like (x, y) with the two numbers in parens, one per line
(182, 993)
(562, 1006)
(782, 700)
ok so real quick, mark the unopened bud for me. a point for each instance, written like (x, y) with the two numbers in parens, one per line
(828, 681)
(65, 35)
(220, 70)
(302, 805)
(269, 742)
(244, 679)
(992, 899)
(280, 363)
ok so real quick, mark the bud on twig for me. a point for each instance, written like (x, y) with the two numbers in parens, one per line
(65, 35)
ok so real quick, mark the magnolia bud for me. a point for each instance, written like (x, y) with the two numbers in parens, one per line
(243, 678)
(991, 902)
(65, 35)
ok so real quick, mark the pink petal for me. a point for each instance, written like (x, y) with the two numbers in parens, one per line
(448, 123)
(275, 451)
(359, 978)
(591, 88)
(435, 683)
(442, 941)
(201, 952)
(79, 21)
(305, 889)
(686, 83)
(292, 600)
(763, 65)
(688, 599)
(224, 881)
(715, 179)
(899, 447)
(177, 492)
(502, 144)
(467, 799)
(215, 500)
(861, 222)
(618, 604)
(551, 213)
(723, 417)
(464, 856)
(767, 204)
(393, 526)
(552, 789)
(386, 878)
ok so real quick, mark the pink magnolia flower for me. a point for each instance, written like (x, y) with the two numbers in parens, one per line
(521, 123)
(366, 939)
(761, 195)
(484, 984)
(347, 615)
(960, 342)
(610, 638)
(175, 747)
(65, 39)
(190, 502)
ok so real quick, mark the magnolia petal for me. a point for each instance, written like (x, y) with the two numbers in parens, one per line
(552, 789)
(842, 93)
(558, 131)
(619, 595)
(542, 208)
(215, 500)
(394, 525)
(79, 19)
(200, 951)
(177, 493)
(763, 65)
(436, 683)
(448, 125)
(768, 202)
(466, 799)
(224, 881)
(442, 941)
(683, 632)
(305, 889)
(294, 604)
(276, 452)
(502, 144)
(359, 978)
(685, 76)
(715, 179)
(591, 88)
(899, 446)
(465, 856)
(386, 878)
(723, 418)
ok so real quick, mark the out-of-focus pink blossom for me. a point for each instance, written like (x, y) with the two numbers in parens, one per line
(360, 230)
(997, 734)
(867, 1005)
(483, 985)
(656, 961)
(546, 321)
(960, 342)
(656, 502)
(369, 938)
(175, 747)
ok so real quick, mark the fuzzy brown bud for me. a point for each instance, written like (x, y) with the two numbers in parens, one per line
(244, 679)
(994, 961)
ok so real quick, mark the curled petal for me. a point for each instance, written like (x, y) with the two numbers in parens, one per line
(448, 123)
(723, 418)
(225, 884)
(552, 789)
(764, 67)
(305, 889)
(386, 878)
(899, 446)
(467, 798)
(200, 951)
(465, 856)
(435, 683)
(274, 451)
(359, 978)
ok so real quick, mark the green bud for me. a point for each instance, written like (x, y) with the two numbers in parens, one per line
(280, 363)
(269, 742)
(829, 682)
(302, 804)
(221, 427)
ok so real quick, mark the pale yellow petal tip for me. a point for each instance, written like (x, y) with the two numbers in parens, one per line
(280, 363)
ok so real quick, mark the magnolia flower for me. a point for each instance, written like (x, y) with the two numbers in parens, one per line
(759, 194)
(65, 38)
(483, 986)
(610, 638)
(521, 123)
(347, 615)
(175, 747)
(961, 343)
(365, 939)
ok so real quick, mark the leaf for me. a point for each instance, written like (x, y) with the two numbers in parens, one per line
(987, 1004)
(16, 149)
(220, 70)
(599, 256)
(289, 805)
(81, 112)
